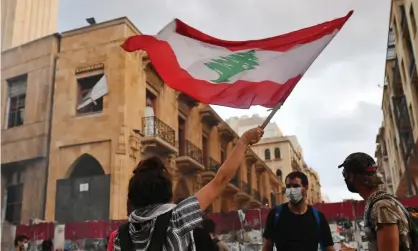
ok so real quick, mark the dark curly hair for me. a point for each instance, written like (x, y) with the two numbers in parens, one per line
(150, 184)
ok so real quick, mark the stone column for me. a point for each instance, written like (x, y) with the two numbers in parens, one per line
(172, 167)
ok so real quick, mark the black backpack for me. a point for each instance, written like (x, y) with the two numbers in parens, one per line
(410, 212)
(157, 239)
(203, 240)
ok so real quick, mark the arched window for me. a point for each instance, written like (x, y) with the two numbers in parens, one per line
(279, 173)
(277, 153)
(267, 154)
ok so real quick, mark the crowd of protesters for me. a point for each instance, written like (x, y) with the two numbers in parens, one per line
(155, 223)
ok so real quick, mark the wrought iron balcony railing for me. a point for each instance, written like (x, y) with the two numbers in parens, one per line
(153, 127)
(396, 80)
(211, 165)
(403, 123)
(246, 187)
(194, 152)
(256, 195)
(234, 181)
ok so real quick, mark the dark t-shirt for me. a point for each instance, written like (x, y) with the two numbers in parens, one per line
(296, 232)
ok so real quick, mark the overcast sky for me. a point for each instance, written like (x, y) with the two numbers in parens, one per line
(334, 110)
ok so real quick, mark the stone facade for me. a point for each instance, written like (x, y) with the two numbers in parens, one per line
(397, 140)
(190, 137)
(24, 21)
(27, 87)
(91, 113)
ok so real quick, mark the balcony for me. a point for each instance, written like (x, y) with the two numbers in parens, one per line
(250, 157)
(191, 160)
(396, 80)
(226, 132)
(403, 123)
(391, 54)
(246, 187)
(158, 136)
(244, 194)
(185, 99)
(260, 166)
(295, 165)
(209, 116)
(233, 185)
(211, 168)
(257, 195)
(255, 201)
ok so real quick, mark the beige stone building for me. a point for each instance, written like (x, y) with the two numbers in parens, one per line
(27, 75)
(397, 140)
(283, 154)
(23, 21)
(79, 113)
(314, 192)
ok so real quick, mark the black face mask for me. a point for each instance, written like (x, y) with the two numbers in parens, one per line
(350, 186)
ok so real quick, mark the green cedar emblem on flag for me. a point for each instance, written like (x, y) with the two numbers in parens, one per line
(228, 66)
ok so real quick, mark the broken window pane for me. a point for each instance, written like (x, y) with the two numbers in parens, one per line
(16, 101)
(91, 90)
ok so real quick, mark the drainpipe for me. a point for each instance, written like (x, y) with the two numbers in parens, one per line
(51, 109)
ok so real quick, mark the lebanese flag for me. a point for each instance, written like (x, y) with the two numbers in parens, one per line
(234, 73)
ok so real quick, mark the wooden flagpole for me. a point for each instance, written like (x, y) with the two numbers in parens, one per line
(271, 115)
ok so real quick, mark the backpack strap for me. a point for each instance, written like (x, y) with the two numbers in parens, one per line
(318, 222)
(160, 232)
(277, 212)
(157, 239)
(389, 197)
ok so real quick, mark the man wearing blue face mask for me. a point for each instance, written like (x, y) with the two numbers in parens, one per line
(296, 226)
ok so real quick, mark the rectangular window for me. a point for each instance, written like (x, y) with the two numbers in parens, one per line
(413, 21)
(14, 203)
(16, 101)
(91, 89)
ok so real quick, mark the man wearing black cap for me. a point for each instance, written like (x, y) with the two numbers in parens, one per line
(386, 226)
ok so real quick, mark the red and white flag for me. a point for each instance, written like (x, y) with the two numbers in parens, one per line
(234, 73)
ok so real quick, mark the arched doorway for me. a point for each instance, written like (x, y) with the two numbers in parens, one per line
(84, 194)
